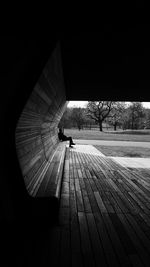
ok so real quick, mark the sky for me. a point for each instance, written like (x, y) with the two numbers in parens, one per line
(82, 104)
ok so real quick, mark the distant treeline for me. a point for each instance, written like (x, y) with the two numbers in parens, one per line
(108, 115)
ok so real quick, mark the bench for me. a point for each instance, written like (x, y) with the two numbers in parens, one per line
(45, 186)
(50, 183)
(47, 181)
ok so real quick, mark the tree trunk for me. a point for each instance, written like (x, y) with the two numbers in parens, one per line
(115, 127)
(79, 127)
(132, 123)
(100, 126)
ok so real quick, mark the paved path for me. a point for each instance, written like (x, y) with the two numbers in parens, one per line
(112, 143)
(133, 162)
(86, 149)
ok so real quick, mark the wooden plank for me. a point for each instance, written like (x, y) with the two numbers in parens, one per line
(138, 197)
(146, 218)
(93, 186)
(128, 177)
(82, 164)
(66, 170)
(107, 246)
(126, 200)
(86, 201)
(141, 179)
(145, 241)
(136, 208)
(73, 204)
(124, 237)
(106, 200)
(100, 202)
(117, 245)
(114, 203)
(72, 195)
(142, 224)
(120, 204)
(95, 241)
(64, 216)
(139, 203)
(76, 254)
(91, 197)
(141, 251)
(65, 247)
(64, 201)
(85, 241)
(75, 166)
(99, 183)
(80, 205)
(135, 260)
(71, 174)
(77, 185)
(65, 187)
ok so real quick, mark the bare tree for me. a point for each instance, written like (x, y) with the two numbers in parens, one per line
(147, 118)
(99, 110)
(78, 117)
(66, 121)
(136, 112)
(116, 115)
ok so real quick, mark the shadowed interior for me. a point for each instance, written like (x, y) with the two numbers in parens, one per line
(112, 65)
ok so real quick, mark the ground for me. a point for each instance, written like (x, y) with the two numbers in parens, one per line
(120, 143)
(123, 151)
(136, 136)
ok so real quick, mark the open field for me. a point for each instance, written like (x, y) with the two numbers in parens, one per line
(127, 135)
(122, 151)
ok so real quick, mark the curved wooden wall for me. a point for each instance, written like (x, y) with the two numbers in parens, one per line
(36, 132)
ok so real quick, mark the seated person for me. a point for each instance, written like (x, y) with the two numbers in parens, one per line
(63, 137)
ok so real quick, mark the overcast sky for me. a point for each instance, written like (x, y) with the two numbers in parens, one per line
(83, 104)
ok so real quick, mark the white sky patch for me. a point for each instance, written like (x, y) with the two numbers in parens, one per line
(146, 104)
(83, 104)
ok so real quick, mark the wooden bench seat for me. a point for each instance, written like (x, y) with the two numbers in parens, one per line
(47, 181)
(41, 203)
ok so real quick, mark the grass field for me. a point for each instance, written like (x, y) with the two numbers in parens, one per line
(127, 135)
(121, 151)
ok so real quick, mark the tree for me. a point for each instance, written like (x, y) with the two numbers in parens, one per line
(99, 111)
(78, 117)
(116, 114)
(125, 119)
(147, 118)
(66, 121)
(136, 113)
(88, 122)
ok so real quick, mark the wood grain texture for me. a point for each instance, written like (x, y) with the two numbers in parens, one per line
(36, 132)
(109, 209)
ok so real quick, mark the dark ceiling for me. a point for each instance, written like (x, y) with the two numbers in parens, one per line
(112, 63)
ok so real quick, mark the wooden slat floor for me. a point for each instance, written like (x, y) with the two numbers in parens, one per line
(104, 213)
(104, 216)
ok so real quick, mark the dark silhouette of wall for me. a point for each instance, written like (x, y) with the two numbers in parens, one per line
(37, 128)
(22, 62)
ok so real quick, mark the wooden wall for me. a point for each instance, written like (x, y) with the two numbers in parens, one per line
(36, 132)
